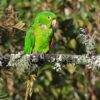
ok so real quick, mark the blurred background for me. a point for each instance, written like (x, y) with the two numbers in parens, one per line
(74, 82)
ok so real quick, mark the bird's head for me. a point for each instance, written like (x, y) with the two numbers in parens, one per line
(46, 18)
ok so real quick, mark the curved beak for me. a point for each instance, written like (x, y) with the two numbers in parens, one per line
(54, 23)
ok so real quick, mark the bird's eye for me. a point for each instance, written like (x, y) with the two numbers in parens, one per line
(49, 17)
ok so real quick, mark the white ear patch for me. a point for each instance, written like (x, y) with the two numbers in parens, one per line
(43, 26)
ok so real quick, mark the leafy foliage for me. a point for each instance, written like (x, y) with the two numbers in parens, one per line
(72, 82)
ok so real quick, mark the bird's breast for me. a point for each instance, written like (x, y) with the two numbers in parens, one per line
(41, 44)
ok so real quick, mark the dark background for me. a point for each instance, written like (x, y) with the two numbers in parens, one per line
(73, 82)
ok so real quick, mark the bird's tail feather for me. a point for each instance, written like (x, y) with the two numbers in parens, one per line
(29, 86)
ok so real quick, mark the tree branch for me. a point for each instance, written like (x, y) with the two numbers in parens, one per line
(27, 63)
(26, 60)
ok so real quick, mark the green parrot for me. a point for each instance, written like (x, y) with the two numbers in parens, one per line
(39, 38)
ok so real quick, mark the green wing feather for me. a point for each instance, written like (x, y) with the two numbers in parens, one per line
(29, 40)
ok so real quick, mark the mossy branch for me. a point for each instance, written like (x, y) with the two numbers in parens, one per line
(24, 62)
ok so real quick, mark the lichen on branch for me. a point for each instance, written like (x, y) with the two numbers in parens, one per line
(25, 63)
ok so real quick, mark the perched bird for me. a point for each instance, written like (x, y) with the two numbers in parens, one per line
(39, 39)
